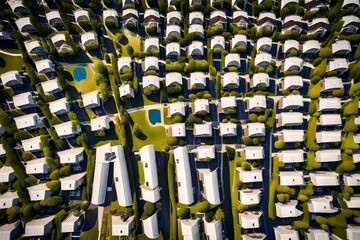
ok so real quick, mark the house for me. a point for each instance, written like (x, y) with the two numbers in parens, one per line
(173, 50)
(210, 184)
(328, 104)
(291, 102)
(54, 18)
(176, 109)
(173, 30)
(151, 63)
(291, 178)
(11, 78)
(254, 152)
(72, 223)
(34, 47)
(151, 81)
(291, 136)
(29, 121)
(213, 230)
(200, 105)
(60, 106)
(252, 176)
(37, 166)
(7, 174)
(314, 234)
(9, 199)
(128, 2)
(249, 196)
(173, 79)
(264, 44)
(293, 63)
(255, 102)
(150, 226)
(5, 36)
(253, 236)
(322, 204)
(183, 176)
(330, 84)
(218, 17)
(151, 43)
(311, 47)
(24, 25)
(196, 17)
(32, 144)
(230, 80)
(287, 3)
(150, 189)
(291, 45)
(260, 79)
(341, 47)
(287, 210)
(352, 180)
(319, 26)
(241, 19)
(152, 19)
(238, 40)
(351, 24)
(2, 130)
(173, 18)
(122, 224)
(323, 178)
(24, 100)
(217, 42)
(350, 3)
(110, 17)
(91, 99)
(82, 16)
(328, 155)
(190, 228)
(228, 129)
(130, 18)
(67, 129)
(250, 219)
(121, 177)
(266, 20)
(126, 91)
(203, 130)
(254, 129)
(205, 151)
(352, 232)
(198, 29)
(293, 23)
(177, 130)
(44, 66)
(262, 59)
(71, 156)
(39, 227)
(232, 60)
(89, 38)
(51, 86)
(11, 230)
(328, 136)
(227, 104)
(17, 6)
(197, 80)
(72, 182)
(354, 202)
(39, 192)
(286, 233)
(195, 49)
(124, 63)
(290, 119)
(340, 65)
(291, 156)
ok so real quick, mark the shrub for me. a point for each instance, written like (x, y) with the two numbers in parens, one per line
(149, 209)
(246, 166)
(65, 171)
(27, 156)
(230, 153)
(219, 214)
(183, 212)
(241, 208)
(279, 144)
(137, 130)
(202, 206)
(247, 141)
(31, 180)
(3, 188)
(171, 141)
(51, 201)
(253, 117)
(325, 52)
(54, 185)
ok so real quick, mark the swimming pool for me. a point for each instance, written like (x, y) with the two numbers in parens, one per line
(79, 74)
(154, 116)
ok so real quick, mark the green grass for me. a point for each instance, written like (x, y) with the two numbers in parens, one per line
(144, 237)
(171, 180)
(153, 135)
(234, 177)
(314, 90)
(132, 41)
(90, 235)
(86, 85)
(110, 137)
(273, 184)
(141, 172)
(311, 133)
(9, 63)
(167, 120)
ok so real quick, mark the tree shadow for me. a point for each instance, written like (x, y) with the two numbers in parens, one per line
(124, 40)
(68, 75)
(2, 62)
(142, 136)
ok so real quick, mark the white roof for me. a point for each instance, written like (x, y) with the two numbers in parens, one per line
(260, 78)
(121, 227)
(172, 28)
(190, 228)
(328, 136)
(350, 2)
(196, 48)
(311, 45)
(227, 102)
(317, 234)
(349, 19)
(201, 104)
(23, 22)
(329, 104)
(231, 78)
(173, 14)
(173, 48)
(254, 152)
(151, 81)
(177, 108)
(9, 230)
(256, 129)
(321, 205)
(255, 175)
(353, 232)
(291, 118)
(13, 4)
(238, 39)
(44, 66)
(293, 61)
(125, 90)
(352, 179)
(109, 13)
(59, 106)
(36, 227)
(81, 13)
(123, 62)
(37, 166)
(256, 101)
(203, 130)
(183, 173)
(228, 129)
(11, 78)
(293, 82)
(178, 130)
(71, 179)
(150, 43)
(249, 219)
(196, 28)
(72, 222)
(331, 83)
(30, 45)
(99, 123)
(292, 101)
(23, 100)
(328, 155)
(266, 14)
(196, 14)
(253, 236)
(207, 151)
(71, 155)
(232, 59)
(218, 42)
(286, 233)
(287, 210)
(216, 13)
(341, 45)
(210, 185)
(6, 174)
(150, 226)
(88, 37)
(338, 64)
(354, 201)
(147, 157)
(329, 120)
(151, 63)
(198, 78)
(31, 144)
(53, 15)
(249, 196)
(291, 178)
(262, 42)
(290, 136)
(290, 45)
(51, 86)
(213, 230)
(67, 129)
(151, 12)
(27, 121)
(262, 57)
(323, 178)
(173, 78)
(38, 188)
(291, 156)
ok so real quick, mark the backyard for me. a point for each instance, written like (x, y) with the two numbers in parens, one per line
(5, 60)
(85, 85)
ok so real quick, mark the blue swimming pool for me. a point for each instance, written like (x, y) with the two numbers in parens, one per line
(79, 74)
(154, 116)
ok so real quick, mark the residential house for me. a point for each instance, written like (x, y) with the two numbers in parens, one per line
(89, 38)
(122, 224)
(173, 18)
(354, 202)
(205, 151)
(72, 182)
(151, 63)
(311, 47)
(328, 155)
(126, 91)
(54, 18)
(203, 130)
(255, 102)
(329, 84)
(292, 82)
(110, 17)
(322, 204)
(151, 226)
(177, 130)
(82, 16)
(11, 230)
(228, 129)
(37, 166)
(340, 65)
(11, 78)
(290, 119)
(151, 81)
(7, 174)
(151, 43)
(218, 17)
(287, 210)
(254, 129)
(24, 100)
(291, 178)
(291, 156)
(73, 222)
(67, 129)
(352, 232)
(183, 176)
(352, 180)
(60, 106)
(227, 104)
(17, 6)
(152, 19)
(196, 17)
(173, 30)
(173, 79)
(230, 80)
(130, 18)
(91, 99)
(196, 49)
(51, 86)
(190, 228)
(253, 236)
(314, 234)
(350, 3)
(39, 192)
(293, 23)
(241, 19)
(32, 144)
(39, 227)
(249, 196)
(213, 230)
(324, 178)
(260, 79)
(9, 199)
(287, 3)
(250, 219)
(351, 24)
(29, 121)
(173, 50)
(328, 104)
(293, 63)
(176, 109)
(198, 29)
(319, 26)
(210, 184)
(341, 47)
(252, 176)
(128, 2)
(266, 20)
(291, 45)
(264, 44)
(232, 60)
(45, 66)
(328, 136)
(24, 25)
(291, 102)
(238, 40)
(217, 41)
(286, 233)
(291, 136)
(262, 60)
(34, 47)
(71, 156)
(200, 106)
(254, 152)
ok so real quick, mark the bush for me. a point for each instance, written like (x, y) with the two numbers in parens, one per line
(54, 185)
(230, 153)
(31, 180)
(247, 141)
(325, 52)
(65, 171)
(253, 117)
(137, 130)
(27, 156)
(241, 208)
(183, 212)
(149, 209)
(219, 214)
(171, 141)
(52, 201)
(202, 207)
(279, 144)
(3, 188)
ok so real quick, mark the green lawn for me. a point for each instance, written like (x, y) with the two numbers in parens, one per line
(86, 85)
(9, 63)
(234, 177)
(90, 235)
(141, 172)
(153, 135)
(273, 184)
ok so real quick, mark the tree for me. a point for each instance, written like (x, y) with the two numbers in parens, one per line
(279, 144)
(219, 214)
(183, 212)
(171, 141)
(325, 52)
(129, 50)
(137, 130)
(246, 166)
(253, 117)
(203, 206)
(3, 188)
(241, 208)
(65, 171)
(27, 156)
(54, 185)
(51, 201)
(149, 209)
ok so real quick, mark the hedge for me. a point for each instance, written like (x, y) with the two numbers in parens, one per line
(274, 182)
(171, 185)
